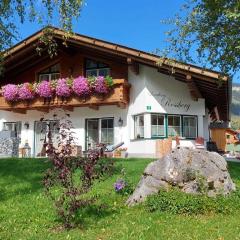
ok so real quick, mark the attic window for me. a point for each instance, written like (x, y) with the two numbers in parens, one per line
(51, 73)
(94, 68)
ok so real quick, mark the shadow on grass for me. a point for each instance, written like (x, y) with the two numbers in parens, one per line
(234, 169)
(88, 216)
(21, 176)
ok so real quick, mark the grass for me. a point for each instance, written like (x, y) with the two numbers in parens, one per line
(25, 212)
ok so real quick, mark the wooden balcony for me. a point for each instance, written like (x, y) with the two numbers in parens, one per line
(118, 96)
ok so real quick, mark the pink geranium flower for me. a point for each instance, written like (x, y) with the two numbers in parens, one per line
(81, 87)
(10, 92)
(26, 91)
(62, 88)
(100, 85)
(44, 89)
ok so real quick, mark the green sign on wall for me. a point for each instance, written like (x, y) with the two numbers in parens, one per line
(149, 108)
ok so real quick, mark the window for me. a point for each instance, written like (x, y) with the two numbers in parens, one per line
(174, 125)
(139, 126)
(190, 126)
(107, 131)
(14, 127)
(157, 125)
(99, 131)
(94, 68)
(51, 73)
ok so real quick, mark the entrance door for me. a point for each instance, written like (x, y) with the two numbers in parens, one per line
(40, 134)
(92, 133)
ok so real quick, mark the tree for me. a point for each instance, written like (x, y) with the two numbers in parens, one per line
(44, 13)
(207, 32)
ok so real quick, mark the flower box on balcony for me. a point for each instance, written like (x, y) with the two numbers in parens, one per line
(118, 95)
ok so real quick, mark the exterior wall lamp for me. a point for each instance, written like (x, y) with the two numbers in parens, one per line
(120, 122)
(26, 125)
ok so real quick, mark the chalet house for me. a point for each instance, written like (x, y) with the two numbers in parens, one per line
(226, 139)
(148, 100)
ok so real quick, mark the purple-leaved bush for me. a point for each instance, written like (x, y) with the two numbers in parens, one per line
(65, 176)
(10, 92)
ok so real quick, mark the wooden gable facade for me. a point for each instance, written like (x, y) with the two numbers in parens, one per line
(27, 65)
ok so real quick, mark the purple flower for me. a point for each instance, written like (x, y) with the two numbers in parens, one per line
(10, 92)
(26, 91)
(44, 89)
(100, 85)
(62, 88)
(119, 185)
(81, 87)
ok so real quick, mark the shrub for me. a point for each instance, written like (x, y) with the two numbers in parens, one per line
(70, 178)
(177, 202)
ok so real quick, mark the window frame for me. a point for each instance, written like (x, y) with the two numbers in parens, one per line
(100, 128)
(189, 116)
(98, 62)
(49, 73)
(134, 119)
(180, 125)
(18, 131)
(164, 125)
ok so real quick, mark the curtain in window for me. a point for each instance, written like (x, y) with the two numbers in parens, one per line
(190, 126)
(174, 125)
(157, 125)
(139, 126)
(107, 131)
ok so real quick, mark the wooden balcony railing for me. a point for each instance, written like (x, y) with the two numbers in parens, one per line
(119, 96)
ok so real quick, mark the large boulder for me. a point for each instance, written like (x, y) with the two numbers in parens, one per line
(192, 170)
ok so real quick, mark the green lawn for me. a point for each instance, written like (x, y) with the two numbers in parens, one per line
(25, 212)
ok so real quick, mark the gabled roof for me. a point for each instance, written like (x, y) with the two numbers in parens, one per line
(201, 82)
(113, 47)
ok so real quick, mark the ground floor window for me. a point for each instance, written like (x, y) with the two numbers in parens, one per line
(99, 130)
(107, 131)
(14, 127)
(139, 126)
(160, 125)
(190, 126)
(174, 125)
(157, 125)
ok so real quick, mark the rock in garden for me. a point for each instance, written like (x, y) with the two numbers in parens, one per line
(191, 170)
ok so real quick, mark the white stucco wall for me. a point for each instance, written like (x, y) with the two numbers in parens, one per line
(162, 93)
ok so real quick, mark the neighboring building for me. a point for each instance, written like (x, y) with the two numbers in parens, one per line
(226, 139)
(149, 101)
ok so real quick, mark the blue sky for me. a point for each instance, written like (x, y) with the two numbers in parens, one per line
(134, 23)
